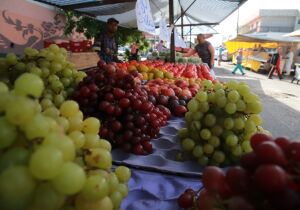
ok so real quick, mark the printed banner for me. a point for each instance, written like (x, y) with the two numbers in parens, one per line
(144, 17)
(164, 32)
(179, 42)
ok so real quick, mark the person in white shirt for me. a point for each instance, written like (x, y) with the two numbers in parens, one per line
(289, 61)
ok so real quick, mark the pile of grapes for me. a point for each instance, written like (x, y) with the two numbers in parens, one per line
(220, 121)
(129, 119)
(59, 76)
(268, 179)
(51, 157)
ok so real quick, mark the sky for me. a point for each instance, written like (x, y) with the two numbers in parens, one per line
(246, 12)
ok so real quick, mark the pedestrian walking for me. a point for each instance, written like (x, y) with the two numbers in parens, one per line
(239, 60)
(289, 61)
(221, 49)
(275, 64)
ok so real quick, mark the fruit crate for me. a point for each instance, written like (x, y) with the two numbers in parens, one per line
(76, 46)
(84, 60)
(86, 45)
(65, 45)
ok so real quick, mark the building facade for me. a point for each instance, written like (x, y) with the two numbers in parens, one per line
(269, 20)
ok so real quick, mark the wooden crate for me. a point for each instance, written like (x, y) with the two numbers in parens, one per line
(84, 60)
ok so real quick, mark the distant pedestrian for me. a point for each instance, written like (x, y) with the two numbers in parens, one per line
(275, 64)
(239, 60)
(160, 46)
(221, 49)
(134, 49)
(289, 61)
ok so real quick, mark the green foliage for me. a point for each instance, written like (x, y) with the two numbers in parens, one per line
(82, 24)
(127, 54)
(91, 27)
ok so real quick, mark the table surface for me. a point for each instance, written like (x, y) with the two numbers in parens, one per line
(156, 191)
(157, 179)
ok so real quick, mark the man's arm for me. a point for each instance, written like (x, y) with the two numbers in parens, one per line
(189, 53)
(211, 50)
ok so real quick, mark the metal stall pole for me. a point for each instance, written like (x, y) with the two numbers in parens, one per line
(171, 22)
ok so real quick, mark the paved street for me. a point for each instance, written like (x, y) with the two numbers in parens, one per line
(280, 99)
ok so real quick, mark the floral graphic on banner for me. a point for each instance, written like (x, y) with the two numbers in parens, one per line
(20, 35)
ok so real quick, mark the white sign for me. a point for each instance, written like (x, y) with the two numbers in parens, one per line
(164, 32)
(179, 42)
(144, 17)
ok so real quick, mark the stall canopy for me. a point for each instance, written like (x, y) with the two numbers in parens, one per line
(196, 12)
(265, 37)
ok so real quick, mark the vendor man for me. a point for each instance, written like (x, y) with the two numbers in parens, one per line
(106, 43)
(204, 49)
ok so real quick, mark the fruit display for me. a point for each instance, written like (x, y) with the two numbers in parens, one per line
(165, 56)
(53, 162)
(59, 76)
(173, 94)
(159, 69)
(129, 117)
(52, 156)
(220, 120)
(267, 179)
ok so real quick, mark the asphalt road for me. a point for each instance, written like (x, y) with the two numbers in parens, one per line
(280, 99)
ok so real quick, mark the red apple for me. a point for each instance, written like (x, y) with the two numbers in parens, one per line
(101, 64)
(168, 92)
(194, 85)
(110, 68)
(181, 83)
(180, 110)
(186, 92)
(177, 90)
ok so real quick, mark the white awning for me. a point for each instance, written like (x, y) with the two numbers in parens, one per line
(294, 34)
(266, 37)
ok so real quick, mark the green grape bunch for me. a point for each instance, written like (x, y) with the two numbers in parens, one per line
(59, 76)
(51, 157)
(220, 120)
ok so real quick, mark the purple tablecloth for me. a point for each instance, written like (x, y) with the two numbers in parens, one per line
(156, 191)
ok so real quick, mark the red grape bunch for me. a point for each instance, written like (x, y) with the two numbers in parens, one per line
(267, 179)
(129, 118)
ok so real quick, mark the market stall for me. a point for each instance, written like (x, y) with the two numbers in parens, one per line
(258, 47)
